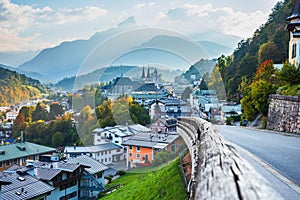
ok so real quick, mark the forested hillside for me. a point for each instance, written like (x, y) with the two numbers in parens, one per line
(269, 42)
(15, 87)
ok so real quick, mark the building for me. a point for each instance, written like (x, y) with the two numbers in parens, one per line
(294, 28)
(11, 116)
(142, 147)
(77, 178)
(121, 86)
(164, 125)
(20, 186)
(106, 153)
(18, 153)
(169, 107)
(230, 111)
(92, 181)
(117, 134)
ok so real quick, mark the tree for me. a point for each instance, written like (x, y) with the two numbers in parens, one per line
(55, 110)
(289, 74)
(269, 51)
(104, 114)
(40, 112)
(260, 91)
(57, 139)
(186, 93)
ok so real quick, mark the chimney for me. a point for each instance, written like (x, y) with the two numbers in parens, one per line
(22, 136)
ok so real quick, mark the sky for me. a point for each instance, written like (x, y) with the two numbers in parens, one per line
(33, 25)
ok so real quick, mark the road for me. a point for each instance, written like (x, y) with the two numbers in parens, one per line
(281, 152)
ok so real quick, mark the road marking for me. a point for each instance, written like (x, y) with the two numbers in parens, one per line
(271, 169)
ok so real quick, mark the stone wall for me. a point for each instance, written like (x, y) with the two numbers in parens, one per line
(284, 113)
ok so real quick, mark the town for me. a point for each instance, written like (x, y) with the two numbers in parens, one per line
(220, 127)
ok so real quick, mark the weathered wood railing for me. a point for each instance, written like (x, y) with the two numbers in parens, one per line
(218, 172)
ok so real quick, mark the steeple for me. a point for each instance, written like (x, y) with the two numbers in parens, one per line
(294, 28)
(148, 73)
(143, 73)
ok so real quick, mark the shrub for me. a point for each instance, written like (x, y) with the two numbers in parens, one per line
(121, 172)
(229, 120)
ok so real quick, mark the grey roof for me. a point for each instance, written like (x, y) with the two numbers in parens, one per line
(95, 166)
(26, 187)
(22, 149)
(69, 167)
(150, 139)
(147, 87)
(122, 130)
(92, 149)
(123, 81)
(46, 174)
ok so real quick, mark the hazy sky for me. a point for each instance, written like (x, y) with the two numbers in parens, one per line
(27, 25)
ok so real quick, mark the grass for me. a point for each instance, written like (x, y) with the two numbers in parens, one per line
(165, 183)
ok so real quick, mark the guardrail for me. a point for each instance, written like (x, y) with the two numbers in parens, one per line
(218, 171)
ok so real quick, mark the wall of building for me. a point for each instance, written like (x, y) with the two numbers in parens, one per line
(284, 113)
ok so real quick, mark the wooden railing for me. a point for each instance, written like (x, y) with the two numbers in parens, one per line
(218, 171)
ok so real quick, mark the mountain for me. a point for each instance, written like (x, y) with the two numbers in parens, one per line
(65, 60)
(15, 59)
(215, 50)
(217, 37)
(15, 87)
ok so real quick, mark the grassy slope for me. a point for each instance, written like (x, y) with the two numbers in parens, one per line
(165, 183)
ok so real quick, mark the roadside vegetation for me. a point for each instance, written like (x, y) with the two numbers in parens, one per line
(165, 183)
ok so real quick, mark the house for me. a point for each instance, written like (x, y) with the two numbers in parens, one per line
(92, 181)
(106, 153)
(142, 147)
(164, 107)
(18, 153)
(77, 178)
(163, 125)
(215, 114)
(230, 110)
(20, 186)
(11, 116)
(117, 134)
(121, 86)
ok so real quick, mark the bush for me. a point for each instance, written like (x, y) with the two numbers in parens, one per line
(264, 122)
(121, 172)
(229, 120)
(109, 178)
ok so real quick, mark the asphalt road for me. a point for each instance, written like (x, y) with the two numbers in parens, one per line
(281, 152)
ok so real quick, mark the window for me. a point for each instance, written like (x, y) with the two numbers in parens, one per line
(138, 149)
(117, 142)
(15, 161)
(105, 159)
(294, 50)
(138, 155)
(1, 165)
(109, 152)
(7, 163)
(109, 159)
(130, 148)
(130, 154)
(102, 160)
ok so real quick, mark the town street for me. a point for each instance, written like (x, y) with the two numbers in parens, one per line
(281, 152)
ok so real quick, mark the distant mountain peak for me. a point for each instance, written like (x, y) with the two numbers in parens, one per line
(130, 21)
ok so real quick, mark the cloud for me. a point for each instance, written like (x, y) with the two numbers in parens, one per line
(192, 18)
(17, 21)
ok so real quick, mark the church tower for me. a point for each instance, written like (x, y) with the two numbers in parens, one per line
(294, 29)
